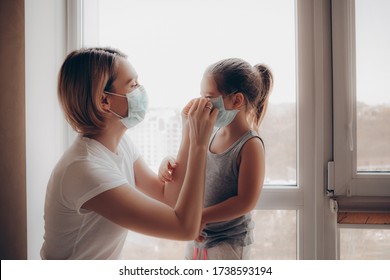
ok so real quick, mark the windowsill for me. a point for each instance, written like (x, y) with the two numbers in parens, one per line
(363, 218)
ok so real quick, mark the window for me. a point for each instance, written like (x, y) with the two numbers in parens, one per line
(363, 243)
(298, 32)
(275, 239)
(171, 49)
(171, 43)
(295, 198)
(361, 102)
(372, 93)
(361, 130)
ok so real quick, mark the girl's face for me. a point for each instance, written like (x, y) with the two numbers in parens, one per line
(125, 82)
(209, 90)
(208, 87)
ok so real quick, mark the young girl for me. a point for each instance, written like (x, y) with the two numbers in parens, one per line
(101, 187)
(235, 159)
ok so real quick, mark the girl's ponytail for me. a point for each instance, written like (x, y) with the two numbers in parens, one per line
(267, 81)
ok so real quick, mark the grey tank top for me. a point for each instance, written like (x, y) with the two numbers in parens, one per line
(222, 183)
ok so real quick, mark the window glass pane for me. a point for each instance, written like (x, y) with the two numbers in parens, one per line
(170, 43)
(364, 244)
(372, 87)
(275, 239)
(275, 235)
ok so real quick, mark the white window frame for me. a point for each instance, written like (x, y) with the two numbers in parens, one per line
(350, 189)
(313, 122)
(347, 181)
(319, 233)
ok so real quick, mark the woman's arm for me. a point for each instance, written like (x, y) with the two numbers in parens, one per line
(250, 183)
(172, 188)
(149, 183)
(135, 211)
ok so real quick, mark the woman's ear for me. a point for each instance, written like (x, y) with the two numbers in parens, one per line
(238, 100)
(105, 102)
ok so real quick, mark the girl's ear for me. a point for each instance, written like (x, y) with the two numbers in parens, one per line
(238, 100)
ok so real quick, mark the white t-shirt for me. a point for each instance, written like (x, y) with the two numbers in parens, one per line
(85, 170)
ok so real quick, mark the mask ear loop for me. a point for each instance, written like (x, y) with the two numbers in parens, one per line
(120, 117)
(115, 94)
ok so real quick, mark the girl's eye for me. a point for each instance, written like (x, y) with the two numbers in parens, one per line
(205, 96)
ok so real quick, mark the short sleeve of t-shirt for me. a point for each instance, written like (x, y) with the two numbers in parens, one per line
(84, 179)
(88, 176)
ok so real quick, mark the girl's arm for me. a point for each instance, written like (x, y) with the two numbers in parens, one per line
(250, 183)
(131, 209)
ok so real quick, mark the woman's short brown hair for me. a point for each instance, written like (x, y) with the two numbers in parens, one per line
(83, 78)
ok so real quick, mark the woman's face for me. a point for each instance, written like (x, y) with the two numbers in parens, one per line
(125, 82)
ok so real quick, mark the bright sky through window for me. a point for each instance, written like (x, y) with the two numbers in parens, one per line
(171, 42)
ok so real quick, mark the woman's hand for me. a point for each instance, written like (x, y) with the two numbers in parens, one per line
(201, 118)
(200, 238)
(165, 171)
(185, 111)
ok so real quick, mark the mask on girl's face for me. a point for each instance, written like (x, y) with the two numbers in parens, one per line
(137, 101)
(225, 117)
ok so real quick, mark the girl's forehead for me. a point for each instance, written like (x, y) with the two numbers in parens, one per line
(209, 82)
(209, 87)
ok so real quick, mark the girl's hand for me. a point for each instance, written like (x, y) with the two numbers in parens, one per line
(165, 171)
(201, 118)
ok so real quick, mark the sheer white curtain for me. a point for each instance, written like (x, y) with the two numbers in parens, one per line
(45, 127)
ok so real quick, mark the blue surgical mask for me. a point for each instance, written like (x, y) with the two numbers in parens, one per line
(137, 101)
(225, 117)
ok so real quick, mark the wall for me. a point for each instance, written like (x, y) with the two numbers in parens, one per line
(13, 241)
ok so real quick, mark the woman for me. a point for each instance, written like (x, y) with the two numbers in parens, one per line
(91, 201)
